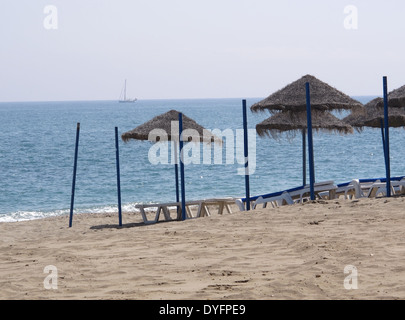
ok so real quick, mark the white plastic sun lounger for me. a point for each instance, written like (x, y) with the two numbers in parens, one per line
(399, 186)
(347, 190)
(275, 201)
(160, 208)
(355, 188)
(241, 202)
(298, 194)
(202, 206)
(380, 188)
(366, 187)
(370, 188)
(324, 189)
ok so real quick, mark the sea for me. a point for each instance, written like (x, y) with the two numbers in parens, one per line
(37, 153)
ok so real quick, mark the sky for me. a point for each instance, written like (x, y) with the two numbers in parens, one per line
(57, 50)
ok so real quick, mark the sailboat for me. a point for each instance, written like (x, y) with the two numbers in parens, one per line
(123, 96)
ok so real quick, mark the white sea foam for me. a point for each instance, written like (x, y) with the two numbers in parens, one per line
(32, 215)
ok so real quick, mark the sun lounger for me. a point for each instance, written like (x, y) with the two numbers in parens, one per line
(297, 194)
(370, 188)
(347, 190)
(202, 209)
(241, 202)
(400, 188)
(203, 206)
(397, 184)
(275, 201)
(241, 205)
(380, 188)
(357, 188)
(159, 208)
(322, 190)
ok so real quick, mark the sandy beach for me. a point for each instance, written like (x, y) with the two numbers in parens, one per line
(292, 252)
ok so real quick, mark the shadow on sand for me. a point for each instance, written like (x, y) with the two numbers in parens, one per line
(126, 225)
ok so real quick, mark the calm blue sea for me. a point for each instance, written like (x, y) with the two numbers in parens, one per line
(37, 144)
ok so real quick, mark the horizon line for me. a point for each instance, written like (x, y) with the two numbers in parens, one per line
(152, 99)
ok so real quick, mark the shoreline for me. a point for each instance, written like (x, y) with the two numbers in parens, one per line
(292, 252)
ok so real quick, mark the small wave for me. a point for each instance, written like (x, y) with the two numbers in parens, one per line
(32, 215)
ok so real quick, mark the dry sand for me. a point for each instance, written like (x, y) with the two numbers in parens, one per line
(292, 252)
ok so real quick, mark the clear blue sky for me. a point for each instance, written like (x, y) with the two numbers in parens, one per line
(195, 48)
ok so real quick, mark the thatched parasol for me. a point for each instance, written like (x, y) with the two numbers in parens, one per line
(166, 127)
(373, 116)
(382, 113)
(293, 97)
(295, 105)
(289, 121)
(396, 98)
(163, 124)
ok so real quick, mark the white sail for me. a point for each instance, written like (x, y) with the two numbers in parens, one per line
(123, 96)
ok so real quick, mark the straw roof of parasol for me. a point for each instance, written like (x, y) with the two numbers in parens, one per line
(293, 97)
(373, 114)
(293, 122)
(396, 98)
(164, 123)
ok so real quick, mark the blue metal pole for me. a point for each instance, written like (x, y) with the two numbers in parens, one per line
(304, 158)
(183, 191)
(387, 137)
(117, 157)
(310, 145)
(176, 172)
(245, 135)
(72, 199)
(383, 141)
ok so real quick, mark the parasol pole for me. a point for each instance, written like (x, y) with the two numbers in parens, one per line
(310, 145)
(117, 160)
(72, 199)
(245, 135)
(183, 192)
(383, 140)
(176, 172)
(387, 138)
(304, 158)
